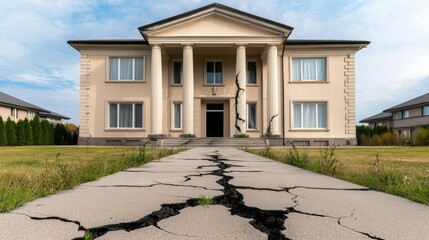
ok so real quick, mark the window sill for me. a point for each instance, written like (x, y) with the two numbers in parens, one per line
(175, 130)
(125, 129)
(309, 82)
(214, 85)
(252, 85)
(309, 130)
(176, 85)
(131, 81)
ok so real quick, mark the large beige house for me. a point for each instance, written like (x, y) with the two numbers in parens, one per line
(217, 72)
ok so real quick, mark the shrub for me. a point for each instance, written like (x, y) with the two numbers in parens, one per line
(28, 132)
(327, 161)
(10, 132)
(37, 131)
(422, 137)
(3, 137)
(295, 158)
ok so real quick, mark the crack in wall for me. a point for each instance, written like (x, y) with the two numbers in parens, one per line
(238, 93)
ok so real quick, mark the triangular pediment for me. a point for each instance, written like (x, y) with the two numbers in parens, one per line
(215, 21)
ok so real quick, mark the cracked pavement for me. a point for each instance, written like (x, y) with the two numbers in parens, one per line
(255, 198)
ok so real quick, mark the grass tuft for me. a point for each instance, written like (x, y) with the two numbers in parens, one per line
(205, 201)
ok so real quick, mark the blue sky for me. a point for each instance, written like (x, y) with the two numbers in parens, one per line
(38, 66)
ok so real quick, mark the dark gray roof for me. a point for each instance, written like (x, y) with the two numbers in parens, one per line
(292, 42)
(217, 5)
(380, 116)
(6, 99)
(10, 101)
(415, 102)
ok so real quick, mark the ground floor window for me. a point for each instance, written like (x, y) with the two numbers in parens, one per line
(177, 116)
(309, 115)
(126, 115)
(251, 115)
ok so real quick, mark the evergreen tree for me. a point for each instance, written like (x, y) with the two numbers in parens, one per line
(28, 132)
(37, 131)
(44, 125)
(21, 134)
(3, 137)
(10, 132)
(58, 135)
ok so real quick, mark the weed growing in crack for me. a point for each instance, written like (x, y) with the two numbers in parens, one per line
(297, 158)
(87, 235)
(205, 201)
(328, 162)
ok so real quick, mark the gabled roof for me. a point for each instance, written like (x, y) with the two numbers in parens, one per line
(380, 116)
(10, 101)
(6, 99)
(415, 102)
(213, 5)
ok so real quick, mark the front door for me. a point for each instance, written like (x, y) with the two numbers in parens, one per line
(214, 120)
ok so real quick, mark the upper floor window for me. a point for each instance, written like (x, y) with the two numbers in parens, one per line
(398, 115)
(251, 72)
(214, 72)
(309, 69)
(309, 115)
(125, 115)
(31, 113)
(426, 110)
(406, 114)
(177, 73)
(126, 69)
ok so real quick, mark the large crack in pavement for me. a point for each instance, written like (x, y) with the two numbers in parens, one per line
(271, 222)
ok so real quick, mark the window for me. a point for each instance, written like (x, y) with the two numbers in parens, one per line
(126, 69)
(309, 69)
(251, 116)
(214, 72)
(177, 116)
(399, 115)
(309, 115)
(125, 115)
(31, 113)
(406, 114)
(251, 72)
(426, 111)
(177, 72)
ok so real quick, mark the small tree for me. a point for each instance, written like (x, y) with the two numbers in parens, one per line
(422, 137)
(37, 131)
(21, 134)
(3, 137)
(10, 132)
(28, 132)
(44, 125)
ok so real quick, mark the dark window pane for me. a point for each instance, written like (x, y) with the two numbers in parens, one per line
(113, 73)
(126, 71)
(251, 116)
(251, 73)
(218, 69)
(138, 69)
(177, 72)
(210, 72)
(211, 106)
(126, 115)
(113, 118)
(138, 115)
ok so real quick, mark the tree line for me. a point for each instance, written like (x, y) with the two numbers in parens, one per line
(34, 132)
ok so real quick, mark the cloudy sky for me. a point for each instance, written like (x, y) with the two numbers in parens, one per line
(38, 66)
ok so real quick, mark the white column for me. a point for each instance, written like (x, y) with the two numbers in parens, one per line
(241, 70)
(156, 92)
(188, 90)
(273, 89)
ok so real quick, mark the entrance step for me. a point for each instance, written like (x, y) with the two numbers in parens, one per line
(213, 142)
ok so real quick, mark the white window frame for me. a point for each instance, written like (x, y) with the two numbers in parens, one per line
(302, 69)
(172, 72)
(398, 115)
(406, 114)
(134, 66)
(205, 72)
(256, 73)
(117, 115)
(247, 115)
(302, 115)
(173, 127)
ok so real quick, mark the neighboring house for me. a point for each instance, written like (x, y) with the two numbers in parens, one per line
(405, 118)
(16, 109)
(182, 79)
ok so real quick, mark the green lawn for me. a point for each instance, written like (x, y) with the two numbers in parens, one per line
(30, 172)
(403, 171)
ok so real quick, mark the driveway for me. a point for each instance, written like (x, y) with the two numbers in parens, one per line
(254, 198)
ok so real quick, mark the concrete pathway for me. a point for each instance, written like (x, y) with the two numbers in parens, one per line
(256, 198)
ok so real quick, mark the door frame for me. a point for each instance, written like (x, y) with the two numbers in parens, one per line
(223, 116)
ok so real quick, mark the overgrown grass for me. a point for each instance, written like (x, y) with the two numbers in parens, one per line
(31, 172)
(402, 171)
(205, 201)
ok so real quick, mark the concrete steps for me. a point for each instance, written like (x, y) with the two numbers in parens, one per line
(213, 142)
